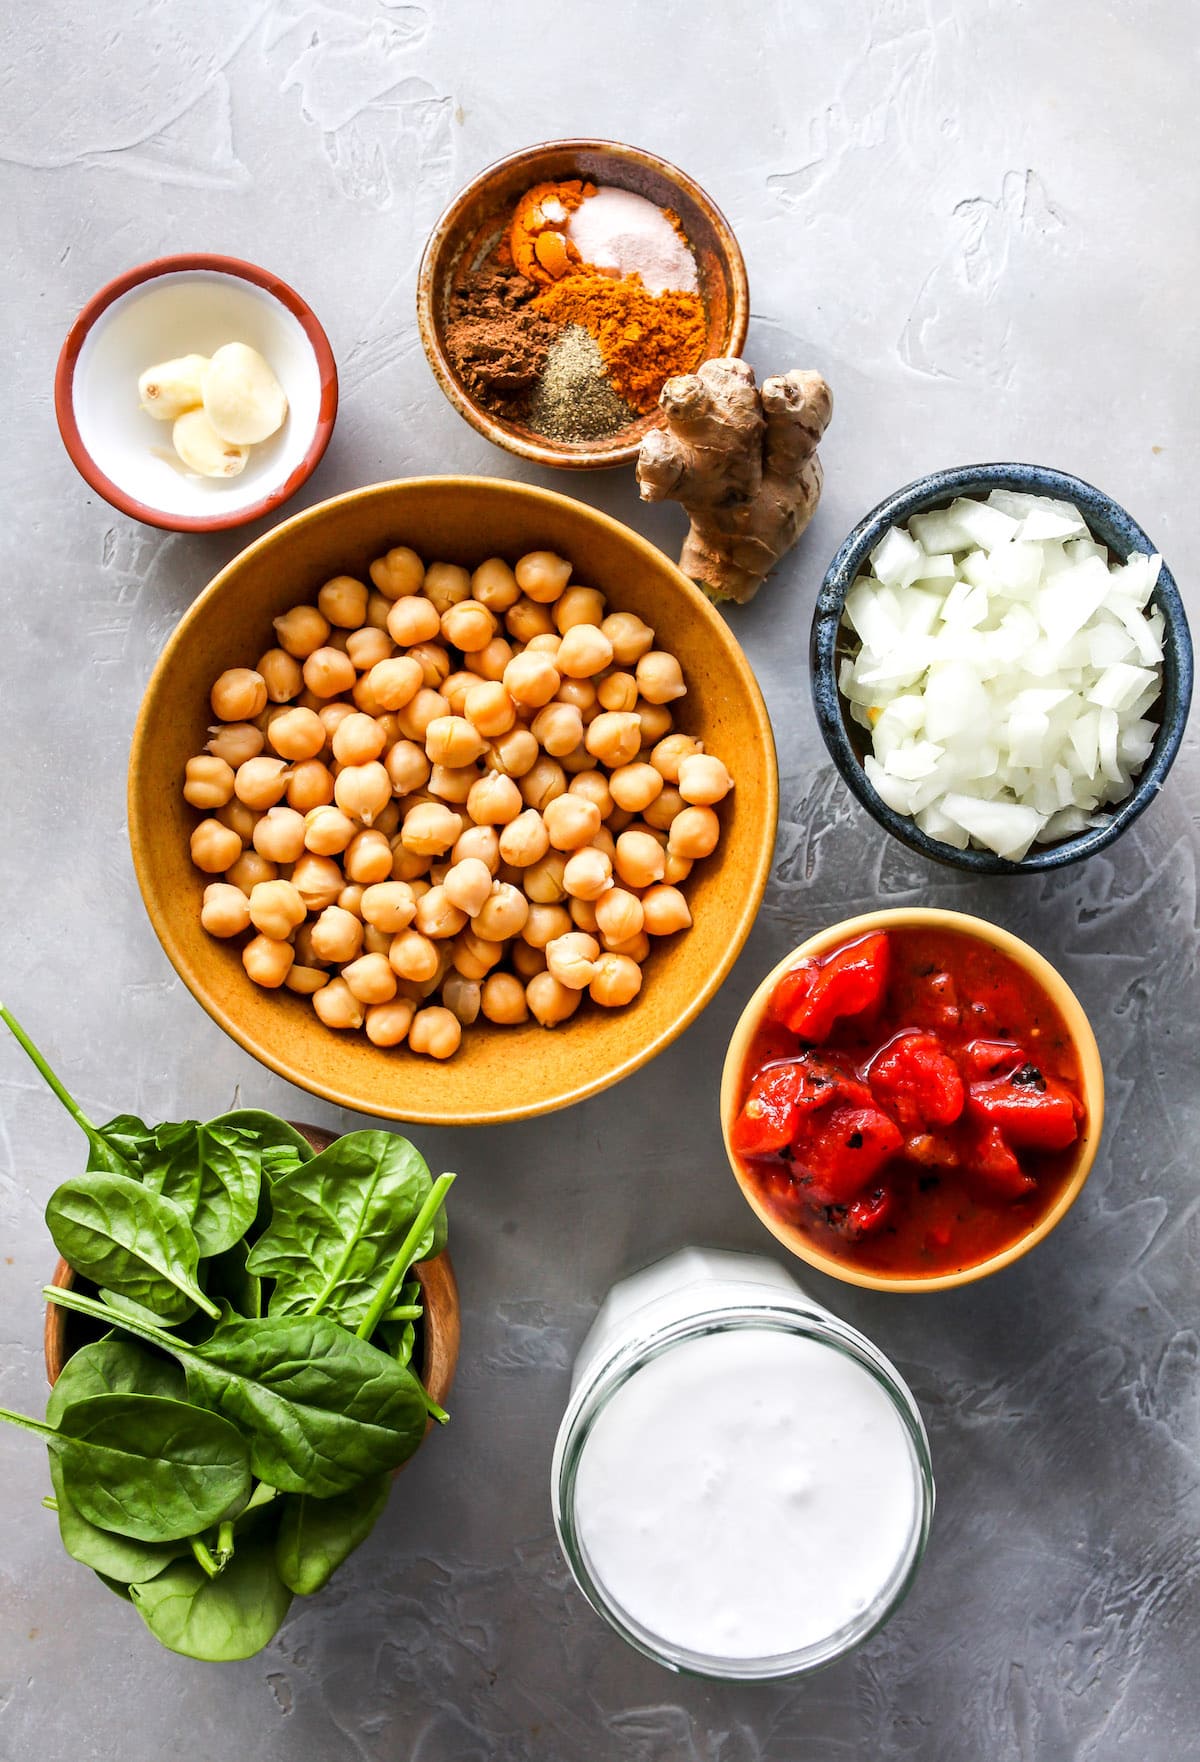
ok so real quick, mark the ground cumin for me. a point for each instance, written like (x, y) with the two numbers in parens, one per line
(496, 340)
(644, 338)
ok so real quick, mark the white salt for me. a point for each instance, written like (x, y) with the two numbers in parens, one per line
(622, 233)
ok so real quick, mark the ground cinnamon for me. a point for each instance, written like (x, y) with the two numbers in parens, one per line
(495, 338)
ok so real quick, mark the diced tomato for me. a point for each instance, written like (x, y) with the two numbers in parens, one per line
(768, 1118)
(934, 1002)
(991, 1058)
(995, 1166)
(815, 994)
(915, 1078)
(870, 1211)
(1033, 1111)
(837, 1151)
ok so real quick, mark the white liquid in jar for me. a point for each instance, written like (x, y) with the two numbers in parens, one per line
(746, 1494)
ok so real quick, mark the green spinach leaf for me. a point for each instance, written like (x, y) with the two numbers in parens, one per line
(281, 1147)
(129, 1137)
(140, 1244)
(212, 1172)
(217, 1619)
(316, 1535)
(113, 1556)
(113, 1367)
(228, 1280)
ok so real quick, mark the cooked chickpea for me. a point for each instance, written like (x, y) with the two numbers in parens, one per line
(208, 782)
(468, 884)
(494, 800)
(635, 786)
(406, 766)
(452, 783)
(592, 785)
(503, 914)
(694, 833)
(665, 910)
(546, 644)
(583, 652)
(583, 915)
(544, 923)
(660, 677)
(662, 810)
(378, 607)
(495, 586)
(235, 742)
(327, 831)
(703, 780)
(239, 695)
(362, 791)
(571, 959)
(318, 880)
(635, 948)
(527, 961)
(412, 621)
(469, 626)
(436, 1032)
(276, 909)
(434, 663)
(452, 741)
(337, 1006)
(369, 646)
(438, 916)
(280, 673)
(526, 619)
(415, 717)
(370, 978)
(571, 821)
(588, 874)
(357, 740)
(617, 691)
(630, 637)
(304, 981)
(490, 661)
(502, 1000)
(249, 870)
(455, 688)
(640, 860)
(550, 1001)
(619, 915)
(543, 783)
(309, 786)
(414, 956)
(337, 935)
(389, 906)
(430, 829)
(514, 753)
(267, 961)
(446, 585)
(368, 858)
(279, 835)
(301, 630)
(656, 721)
(226, 910)
(678, 869)
(616, 981)
(531, 679)
(558, 728)
(473, 956)
(239, 818)
(462, 997)
(489, 708)
(542, 575)
(297, 733)
(332, 715)
(614, 737)
(579, 605)
(214, 847)
(350, 899)
(327, 672)
(581, 694)
(396, 681)
(344, 602)
(406, 864)
(388, 1023)
(543, 880)
(400, 573)
(524, 840)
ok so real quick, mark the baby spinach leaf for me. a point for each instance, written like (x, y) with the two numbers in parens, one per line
(217, 1619)
(117, 1233)
(129, 1137)
(102, 1153)
(126, 1306)
(212, 1174)
(113, 1556)
(113, 1367)
(117, 1586)
(281, 1147)
(316, 1535)
(336, 1223)
(228, 1280)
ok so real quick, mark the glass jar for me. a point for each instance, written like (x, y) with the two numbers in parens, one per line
(753, 1308)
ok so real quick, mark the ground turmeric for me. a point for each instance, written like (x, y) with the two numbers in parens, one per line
(643, 338)
(539, 246)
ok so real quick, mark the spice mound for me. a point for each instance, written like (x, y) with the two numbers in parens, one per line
(581, 312)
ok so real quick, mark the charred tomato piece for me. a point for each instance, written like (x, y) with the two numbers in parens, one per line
(917, 1081)
(837, 1151)
(816, 994)
(1033, 1111)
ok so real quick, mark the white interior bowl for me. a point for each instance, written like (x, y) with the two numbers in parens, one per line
(180, 306)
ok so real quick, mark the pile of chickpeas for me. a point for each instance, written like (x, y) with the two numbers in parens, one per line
(451, 796)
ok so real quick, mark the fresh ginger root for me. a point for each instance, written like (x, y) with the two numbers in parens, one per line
(744, 465)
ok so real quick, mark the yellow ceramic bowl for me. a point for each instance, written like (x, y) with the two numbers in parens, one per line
(1064, 1000)
(500, 1073)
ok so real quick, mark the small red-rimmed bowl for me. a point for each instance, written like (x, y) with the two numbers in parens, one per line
(190, 304)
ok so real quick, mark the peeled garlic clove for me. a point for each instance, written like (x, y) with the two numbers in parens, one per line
(172, 387)
(202, 449)
(242, 397)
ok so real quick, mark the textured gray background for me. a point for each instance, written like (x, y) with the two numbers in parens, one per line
(980, 222)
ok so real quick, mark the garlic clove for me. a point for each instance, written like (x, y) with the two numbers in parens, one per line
(172, 387)
(203, 450)
(243, 400)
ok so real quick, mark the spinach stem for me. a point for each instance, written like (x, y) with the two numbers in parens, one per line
(404, 1256)
(431, 1406)
(406, 1312)
(116, 1318)
(204, 1556)
(225, 1538)
(50, 1502)
(29, 1425)
(64, 1095)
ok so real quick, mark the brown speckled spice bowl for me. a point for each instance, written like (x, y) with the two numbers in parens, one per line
(1064, 1000)
(499, 1073)
(472, 224)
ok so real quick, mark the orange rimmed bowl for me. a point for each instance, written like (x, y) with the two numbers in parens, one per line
(499, 1073)
(472, 225)
(1051, 982)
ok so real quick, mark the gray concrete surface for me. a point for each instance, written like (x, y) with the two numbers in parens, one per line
(979, 220)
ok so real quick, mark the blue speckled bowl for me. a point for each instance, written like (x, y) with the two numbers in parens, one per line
(1111, 526)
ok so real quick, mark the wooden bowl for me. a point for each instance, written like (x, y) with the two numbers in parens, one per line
(65, 1331)
(1064, 1000)
(499, 1073)
(472, 224)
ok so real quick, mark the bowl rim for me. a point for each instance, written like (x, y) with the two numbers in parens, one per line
(583, 456)
(183, 263)
(928, 492)
(1060, 993)
(159, 911)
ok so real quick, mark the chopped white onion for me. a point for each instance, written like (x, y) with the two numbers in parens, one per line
(1004, 671)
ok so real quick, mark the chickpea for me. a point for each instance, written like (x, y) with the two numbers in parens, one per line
(495, 586)
(616, 981)
(656, 722)
(389, 906)
(635, 786)
(455, 689)
(276, 909)
(468, 884)
(474, 957)
(406, 766)
(548, 644)
(662, 810)
(494, 800)
(413, 620)
(328, 672)
(453, 783)
(249, 870)
(406, 864)
(301, 630)
(281, 675)
(469, 626)
(525, 619)
(438, 916)
(398, 574)
(332, 715)
(635, 948)
(462, 997)
(327, 831)
(584, 652)
(571, 821)
(558, 727)
(267, 961)
(235, 742)
(527, 961)
(208, 782)
(414, 956)
(226, 910)
(452, 741)
(489, 708)
(239, 818)
(446, 585)
(239, 695)
(542, 575)
(344, 602)
(279, 835)
(640, 859)
(502, 1000)
(337, 935)
(703, 780)
(350, 900)
(549, 1000)
(571, 959)
(619, 915)
(478, 841)
(502, 915)
(310, 786)
(318, 880)
(581, 694)
(666, 910)
(614, 737)
(630, 638)
(544, 923)
(338, 640)
(592, 785)
(524, 840)
(214, 847)
(617, 691)
(605, 842)
(694, 833)
(579, 605)
(430, 829)
(378, 607)
(678, 869)
(583, 915)
(543, 783)
(396, 681)
(364, 699)
(435, 1032)
(531, 679)
(369, 646)
(302, 943)
(337, 1006)
(490, 661)
(362, 791)
(543, 880)
(368, 858)
(433, 661)
(515, 753)
(370, 978)
(416, 716)
(297, 734)
(588, 874)
(388, 1023)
